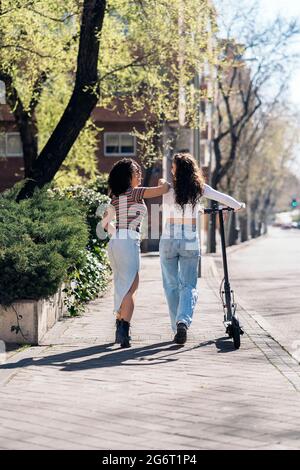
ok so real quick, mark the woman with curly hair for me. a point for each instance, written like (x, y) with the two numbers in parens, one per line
(179, 245)
(128, 208)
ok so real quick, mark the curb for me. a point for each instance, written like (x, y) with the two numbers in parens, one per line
(8, 371)
(240, 246)
(269, 329)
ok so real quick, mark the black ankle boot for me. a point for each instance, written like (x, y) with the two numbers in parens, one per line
(123, 334)
(117, 337)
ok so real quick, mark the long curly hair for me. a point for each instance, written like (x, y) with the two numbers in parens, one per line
(188, 180)
(120, 176)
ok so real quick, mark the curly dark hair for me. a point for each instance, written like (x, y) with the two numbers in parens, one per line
(120, 176)
(188, 180)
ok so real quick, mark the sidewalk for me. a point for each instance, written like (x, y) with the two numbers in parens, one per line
(265, 275)
(79, 391)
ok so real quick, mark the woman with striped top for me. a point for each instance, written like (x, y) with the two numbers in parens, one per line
(128, 208)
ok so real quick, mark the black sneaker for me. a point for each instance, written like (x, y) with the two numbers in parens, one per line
(181, 334)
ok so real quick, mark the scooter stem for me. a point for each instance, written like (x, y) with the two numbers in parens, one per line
(227, 289)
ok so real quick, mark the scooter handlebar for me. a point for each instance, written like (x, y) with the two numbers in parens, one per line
(218, 209)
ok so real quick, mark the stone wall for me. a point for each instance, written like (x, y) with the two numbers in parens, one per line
(27, 321)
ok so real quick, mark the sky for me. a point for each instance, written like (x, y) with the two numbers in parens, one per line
(288, 9)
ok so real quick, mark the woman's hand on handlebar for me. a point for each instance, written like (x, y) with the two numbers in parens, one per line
(243, 206)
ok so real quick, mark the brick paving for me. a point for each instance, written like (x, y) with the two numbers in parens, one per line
(80, 391)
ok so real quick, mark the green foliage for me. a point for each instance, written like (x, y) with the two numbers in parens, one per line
(41, 240)
(38, 38)
(80, 165)
(90, 280)
(49, 239)
(90, 201)
(158, 47)
(100, 184)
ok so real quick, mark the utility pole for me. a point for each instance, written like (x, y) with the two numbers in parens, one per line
(196, 144)
(212, 95)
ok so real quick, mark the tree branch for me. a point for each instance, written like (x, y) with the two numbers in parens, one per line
(57, 20)
(26, 49)
(10, 10)
(134, 63)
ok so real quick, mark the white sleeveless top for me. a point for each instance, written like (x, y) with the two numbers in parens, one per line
(173, 210)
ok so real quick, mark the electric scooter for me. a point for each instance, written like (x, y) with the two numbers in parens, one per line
(231, 322)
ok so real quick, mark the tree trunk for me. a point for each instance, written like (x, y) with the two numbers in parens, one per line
(232, 230)
(82, 102)
(25, 120)
(244, 227)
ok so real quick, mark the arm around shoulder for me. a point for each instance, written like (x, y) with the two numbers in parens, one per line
(156, 191)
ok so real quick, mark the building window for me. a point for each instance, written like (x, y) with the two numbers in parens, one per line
(119, 144)
(10, 145)
(2, 93)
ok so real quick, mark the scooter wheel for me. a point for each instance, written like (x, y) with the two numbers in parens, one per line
(229, 331)
(236, 333)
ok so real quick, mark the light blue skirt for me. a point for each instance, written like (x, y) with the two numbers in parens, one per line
(124, 256)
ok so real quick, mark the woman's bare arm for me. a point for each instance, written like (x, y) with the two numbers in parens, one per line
(156, 191)
(225, 199)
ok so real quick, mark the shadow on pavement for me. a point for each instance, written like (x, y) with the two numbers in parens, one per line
(224, 345)
(108, 355)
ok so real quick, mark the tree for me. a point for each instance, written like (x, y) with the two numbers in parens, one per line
(255, 66)
(270, 166)
(243, 87)
(38, 70)
(83, 100)
(139, 65)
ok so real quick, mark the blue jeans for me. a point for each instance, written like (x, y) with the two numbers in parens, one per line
(179, 257)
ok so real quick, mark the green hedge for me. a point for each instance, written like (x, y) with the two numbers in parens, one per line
(87, 282)
(42, 240)
(91, 280)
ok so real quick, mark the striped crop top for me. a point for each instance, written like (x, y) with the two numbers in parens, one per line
(130, 208)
